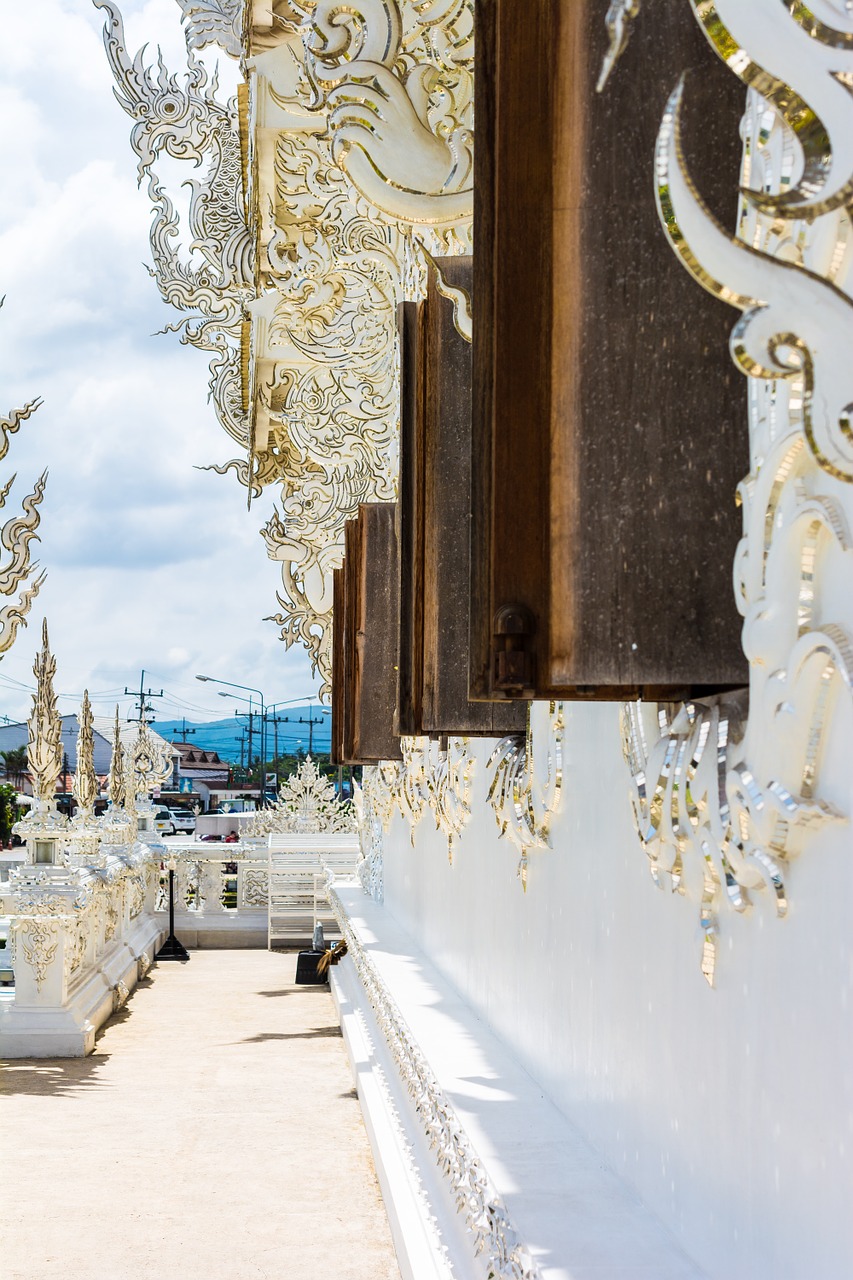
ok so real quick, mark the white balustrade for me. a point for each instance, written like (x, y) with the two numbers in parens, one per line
(220, 893)
(79, 938)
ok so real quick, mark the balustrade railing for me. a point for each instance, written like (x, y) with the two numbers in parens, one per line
(78, 938)
(212, 881)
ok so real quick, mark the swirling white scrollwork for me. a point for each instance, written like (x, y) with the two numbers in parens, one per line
(36, 939)
(18, 574)
(360, 138)
(395, 82)
(449, 787)
(730, 787)
(490, 1229)
(213, 277)
(374, 803)
(524, 800)
(820, 118)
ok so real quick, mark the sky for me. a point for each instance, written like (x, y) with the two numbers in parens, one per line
(151, 564)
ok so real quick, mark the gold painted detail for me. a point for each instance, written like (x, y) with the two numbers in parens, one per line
(798, 48)
(17, 573)
(85, 786)
(44, 750)
(727, 791)
(527, 781)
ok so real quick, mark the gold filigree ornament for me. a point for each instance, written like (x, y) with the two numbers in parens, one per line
(524, 799)
(726, 791)
(772, 294)
(16, 535)
(448, 788)
(793, 41)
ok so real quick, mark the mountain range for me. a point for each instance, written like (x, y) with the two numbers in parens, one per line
(287, 730)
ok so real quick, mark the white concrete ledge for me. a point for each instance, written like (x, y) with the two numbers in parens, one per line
(456, 1123)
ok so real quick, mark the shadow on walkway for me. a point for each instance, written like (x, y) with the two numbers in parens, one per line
(318, 1033)
(52, 1077)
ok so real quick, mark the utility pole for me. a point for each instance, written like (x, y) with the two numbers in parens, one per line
(142, 705)
(311, 722)
(184, 729)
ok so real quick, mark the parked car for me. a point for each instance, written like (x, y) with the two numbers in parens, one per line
(183, 820)
(163, 824)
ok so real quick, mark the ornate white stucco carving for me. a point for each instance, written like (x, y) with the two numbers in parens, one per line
(208, 273)
(735, 786)
(527, 781)
(306, 802)
(214, 22)
(358, 140)
(44, 749)
(148, 765)
(17, 574)
(431, 777)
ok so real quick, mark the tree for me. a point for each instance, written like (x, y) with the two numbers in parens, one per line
(8, 811)
(16, 764)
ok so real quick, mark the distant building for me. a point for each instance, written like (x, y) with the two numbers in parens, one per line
(13, 736)
(198, 773)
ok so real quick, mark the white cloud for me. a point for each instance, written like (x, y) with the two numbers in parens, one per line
(151, 564)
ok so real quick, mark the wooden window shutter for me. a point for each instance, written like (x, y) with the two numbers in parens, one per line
(364, 640)
(609, 421)
(434, 521)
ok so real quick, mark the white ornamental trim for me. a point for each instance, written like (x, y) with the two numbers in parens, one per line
(486, 1215)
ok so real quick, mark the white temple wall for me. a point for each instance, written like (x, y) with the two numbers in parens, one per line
(728, 1108)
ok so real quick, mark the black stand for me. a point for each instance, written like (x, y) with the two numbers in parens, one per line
(171, 948)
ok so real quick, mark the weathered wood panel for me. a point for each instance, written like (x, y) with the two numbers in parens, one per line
(443, 443)
(368, 663)
(336, 749)
(409, 716)
(609, 422)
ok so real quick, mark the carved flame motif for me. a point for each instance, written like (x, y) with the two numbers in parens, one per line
(44, 751)
(116, 783)
(85, 786)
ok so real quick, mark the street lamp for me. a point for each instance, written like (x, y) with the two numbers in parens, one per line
(247, 688)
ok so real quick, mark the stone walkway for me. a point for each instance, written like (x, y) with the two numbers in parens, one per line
(214, 1134)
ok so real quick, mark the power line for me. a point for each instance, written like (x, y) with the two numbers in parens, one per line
(142, 706)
